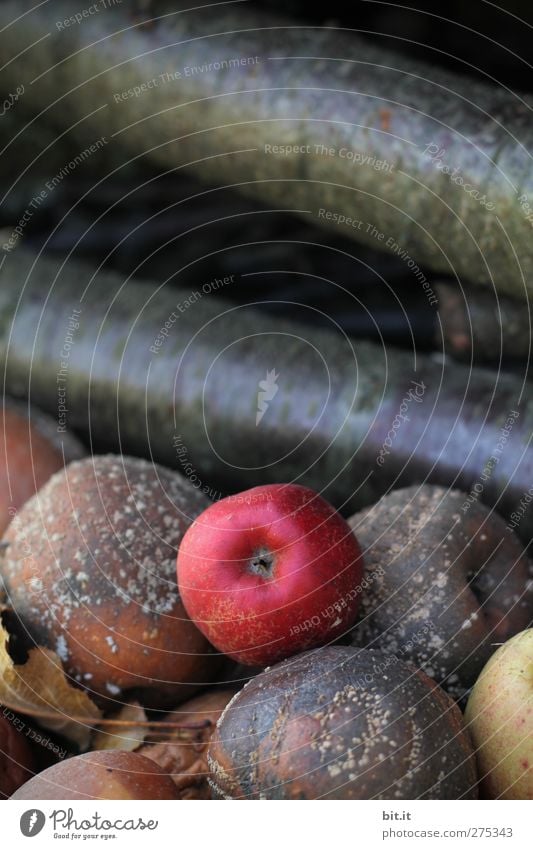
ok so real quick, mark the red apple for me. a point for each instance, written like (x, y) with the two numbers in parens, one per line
(30, 452)
(270, 572)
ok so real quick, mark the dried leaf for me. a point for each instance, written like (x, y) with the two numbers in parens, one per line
(185, 757)
(127, 734)
(38, 687)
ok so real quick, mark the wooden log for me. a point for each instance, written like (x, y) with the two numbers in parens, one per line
(234, 397)
(478, 326)
(427, 164)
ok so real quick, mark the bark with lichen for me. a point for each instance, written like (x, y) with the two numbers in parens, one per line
(174, 374)
(443, 167)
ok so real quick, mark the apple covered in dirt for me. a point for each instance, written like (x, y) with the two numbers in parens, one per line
(270, 572)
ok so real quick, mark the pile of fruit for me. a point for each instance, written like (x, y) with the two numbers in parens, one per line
(157, 645)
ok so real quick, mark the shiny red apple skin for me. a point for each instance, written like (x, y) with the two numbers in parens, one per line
(270, 572)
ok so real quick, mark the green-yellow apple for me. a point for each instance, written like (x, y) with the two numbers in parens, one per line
(499, 716)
